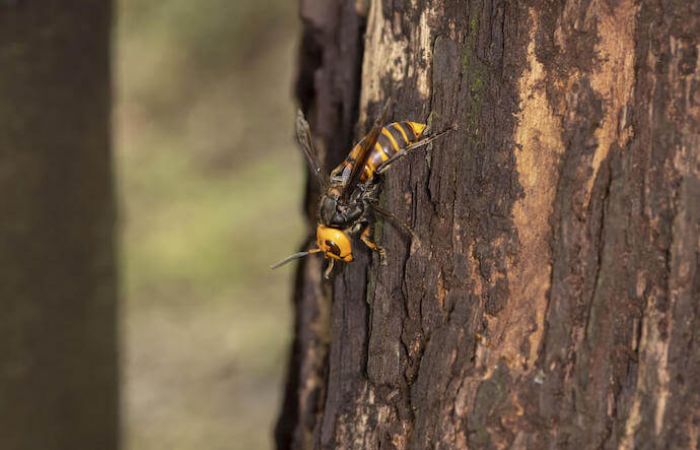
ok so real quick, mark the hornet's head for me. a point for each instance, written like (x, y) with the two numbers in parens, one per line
(334, 243)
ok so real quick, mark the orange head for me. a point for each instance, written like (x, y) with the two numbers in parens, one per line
(334, 243)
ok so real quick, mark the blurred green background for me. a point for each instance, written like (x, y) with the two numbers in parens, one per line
(209, 183)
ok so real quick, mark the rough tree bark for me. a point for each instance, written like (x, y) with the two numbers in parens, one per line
(554, 301)
(58, 369)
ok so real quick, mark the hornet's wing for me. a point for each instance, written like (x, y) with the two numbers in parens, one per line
(304, 139)
(367, 144)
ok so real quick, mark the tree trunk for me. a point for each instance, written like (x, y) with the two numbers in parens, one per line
(554, 300)
(58, 371)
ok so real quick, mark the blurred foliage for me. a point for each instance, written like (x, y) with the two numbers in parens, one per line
(210, 187)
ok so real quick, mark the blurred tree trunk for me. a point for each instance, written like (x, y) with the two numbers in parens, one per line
(58, 370)
(555, 299)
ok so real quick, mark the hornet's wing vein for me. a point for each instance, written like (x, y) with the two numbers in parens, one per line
(304, 139)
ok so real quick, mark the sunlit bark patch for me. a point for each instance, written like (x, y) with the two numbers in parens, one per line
(538, 147)
(391, 47)
(613, 79)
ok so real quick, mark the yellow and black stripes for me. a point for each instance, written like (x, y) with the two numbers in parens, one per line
(393, 139)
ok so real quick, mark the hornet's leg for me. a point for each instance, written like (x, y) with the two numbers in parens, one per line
(395, 221)
(397, 156)
(366, 237)
(329, 269)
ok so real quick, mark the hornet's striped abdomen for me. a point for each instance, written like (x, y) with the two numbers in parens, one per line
(393, 139)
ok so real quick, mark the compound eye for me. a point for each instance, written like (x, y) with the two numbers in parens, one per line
(333, 247)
